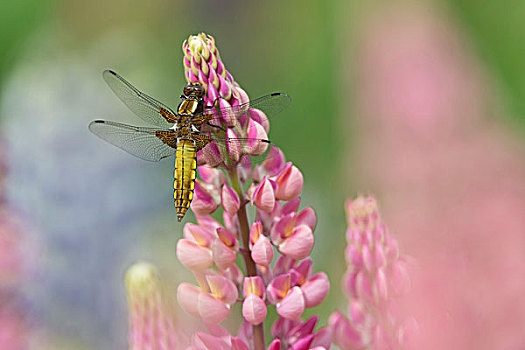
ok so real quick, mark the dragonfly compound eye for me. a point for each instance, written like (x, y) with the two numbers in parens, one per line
(194, 89)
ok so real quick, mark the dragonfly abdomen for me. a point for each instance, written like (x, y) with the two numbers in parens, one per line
(184, 176)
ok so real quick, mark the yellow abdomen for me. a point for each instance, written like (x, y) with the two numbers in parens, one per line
(184, 174)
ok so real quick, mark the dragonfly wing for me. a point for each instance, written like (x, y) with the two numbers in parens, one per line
(138, 141)
(144, 106)
(233, 151)
(270, 104)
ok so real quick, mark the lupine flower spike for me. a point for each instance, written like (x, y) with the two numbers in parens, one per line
(150, 320)
(277, 232)
(376, 273)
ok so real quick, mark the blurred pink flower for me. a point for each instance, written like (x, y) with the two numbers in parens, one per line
(151, 322)
(16, 331)
(375, 274)
(452, 181)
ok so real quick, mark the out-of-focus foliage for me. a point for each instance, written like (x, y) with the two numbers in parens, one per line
(496, 28)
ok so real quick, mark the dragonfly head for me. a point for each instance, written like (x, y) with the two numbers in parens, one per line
(194, 89)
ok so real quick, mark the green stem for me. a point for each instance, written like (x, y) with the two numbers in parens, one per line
(251, 270)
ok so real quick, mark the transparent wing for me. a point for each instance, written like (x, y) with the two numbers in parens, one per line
(138, 141)
(233, 152)
(270, 104)
(144, 106)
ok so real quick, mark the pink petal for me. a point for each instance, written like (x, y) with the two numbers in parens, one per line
(211, 309)
(211, 175)
(379, 256)
(254, 285)
(208, 222)
(291, 207)
(350, 283)
(356, 312)
(303, 343)
(368, 260)
(263, 196)
(256, 231)
(278, 288)
(225, 90)
(363, 288)
(210, 155)
(199, 234)
(227, 238)
(344, 335)
(400, 278)
(274, 161)
(307, 217)
(230, 200)
(187, 296)
(353, 256)
(283, 228)
(234, 274)
(260, 118)
(256, 131)
(275, 345)
(223, 256)
(210, 342)
(254, 309)
(233, 148)
(289, 183)
(283, 265)
(392, 249)
(193, 256)
(299, 244)
(239, 344)
(323, 338)
(304, 269)
(292, 306)
(223, 288)
(262, 251)
(381, 284)
(203, 202)
(315, 289)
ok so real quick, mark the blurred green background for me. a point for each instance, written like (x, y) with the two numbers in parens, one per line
(92, 209)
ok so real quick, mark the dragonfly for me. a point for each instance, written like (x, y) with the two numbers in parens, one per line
(183, 132)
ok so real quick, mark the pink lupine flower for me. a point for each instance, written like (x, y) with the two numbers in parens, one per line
(151, 323)
(212, 249)
(253, 307)
(273, 192)
(213, 302)
(373, 262)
